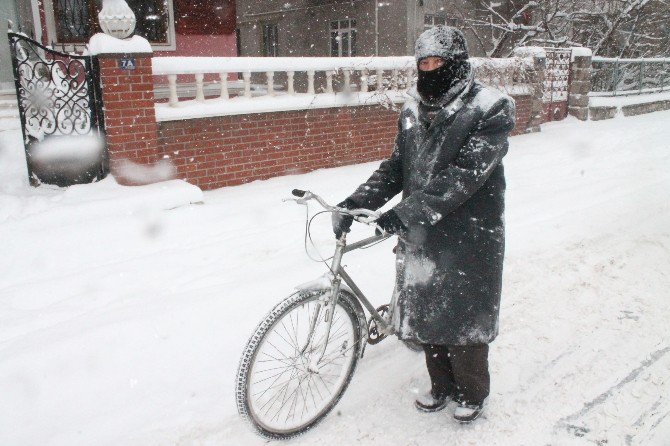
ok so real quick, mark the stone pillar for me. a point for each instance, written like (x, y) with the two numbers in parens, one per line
(535, 77)
(128, 98)
(579, 83)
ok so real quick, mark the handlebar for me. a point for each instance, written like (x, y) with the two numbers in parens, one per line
(365, 216)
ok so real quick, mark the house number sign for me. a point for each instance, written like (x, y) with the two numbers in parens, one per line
(127, 63)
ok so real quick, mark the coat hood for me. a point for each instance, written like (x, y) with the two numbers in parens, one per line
(441, 41)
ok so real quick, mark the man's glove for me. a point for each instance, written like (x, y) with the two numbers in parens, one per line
(391, 223)
(342, 222)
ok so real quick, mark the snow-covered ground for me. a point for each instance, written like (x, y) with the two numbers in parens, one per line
(123, 312)
(620, 101)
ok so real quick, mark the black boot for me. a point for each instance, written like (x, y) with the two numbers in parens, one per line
(431, 403)
(467, 413)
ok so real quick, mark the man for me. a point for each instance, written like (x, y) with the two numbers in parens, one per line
(447, 164)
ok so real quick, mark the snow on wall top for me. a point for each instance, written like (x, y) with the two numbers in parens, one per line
(191, 65)
(282, 102)
(640, 60)
(530, 51)
(580, 51)
(105, 44)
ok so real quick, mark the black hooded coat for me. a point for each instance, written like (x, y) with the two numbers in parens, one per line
(449, 262)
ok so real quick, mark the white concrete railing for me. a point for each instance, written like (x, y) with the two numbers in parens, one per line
(364, 80)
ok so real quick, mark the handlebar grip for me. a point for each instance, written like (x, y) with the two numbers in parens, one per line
(298, 192)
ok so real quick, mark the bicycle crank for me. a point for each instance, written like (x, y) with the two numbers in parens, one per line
(375, 333)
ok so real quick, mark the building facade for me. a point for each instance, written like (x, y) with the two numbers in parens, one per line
(344, 27)
(20, 14)
(174, 27)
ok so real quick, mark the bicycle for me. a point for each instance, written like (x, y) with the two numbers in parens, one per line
(302, 356)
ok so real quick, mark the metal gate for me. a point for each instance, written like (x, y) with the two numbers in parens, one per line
(556, 78)
(60, 107)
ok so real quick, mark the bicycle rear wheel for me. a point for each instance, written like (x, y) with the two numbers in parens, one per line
(281, 388)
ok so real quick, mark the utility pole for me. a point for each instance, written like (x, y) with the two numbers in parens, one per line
(376, 27)
(378, 4)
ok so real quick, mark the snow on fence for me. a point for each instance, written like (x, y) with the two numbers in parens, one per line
(613, 77)
(292, 83)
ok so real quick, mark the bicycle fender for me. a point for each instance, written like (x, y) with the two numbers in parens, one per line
(321, 283)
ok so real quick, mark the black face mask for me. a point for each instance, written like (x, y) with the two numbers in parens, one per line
(433, 85)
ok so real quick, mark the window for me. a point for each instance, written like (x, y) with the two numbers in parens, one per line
(270, 40)
(152, 19)
(431, 20)
(343, 38)
(204, 17)
(75, 21)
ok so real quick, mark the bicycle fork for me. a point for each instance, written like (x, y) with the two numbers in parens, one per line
(329, 304)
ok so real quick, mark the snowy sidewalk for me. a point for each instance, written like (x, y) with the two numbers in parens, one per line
(125, 326)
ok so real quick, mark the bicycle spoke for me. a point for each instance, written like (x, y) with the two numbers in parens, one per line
(324, 383)
(309, 389)
(272, 369)
(277, 395)
(270, 377)
(295, 333)
(295, 347)
(304, 399)
(335, 353)
(288, 334)
(275, 347)
(288, 414)
(283, 361)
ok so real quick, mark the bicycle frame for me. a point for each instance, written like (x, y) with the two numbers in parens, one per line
(338, 274)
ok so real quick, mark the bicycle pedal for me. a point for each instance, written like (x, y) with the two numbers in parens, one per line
(377, 334)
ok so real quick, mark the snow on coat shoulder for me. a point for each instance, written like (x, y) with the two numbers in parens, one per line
(488, 97)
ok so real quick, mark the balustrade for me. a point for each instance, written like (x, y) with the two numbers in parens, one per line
(286, 83)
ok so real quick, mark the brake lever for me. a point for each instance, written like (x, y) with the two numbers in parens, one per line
(297, 200)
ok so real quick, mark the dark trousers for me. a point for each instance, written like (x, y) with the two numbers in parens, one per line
(461, 371)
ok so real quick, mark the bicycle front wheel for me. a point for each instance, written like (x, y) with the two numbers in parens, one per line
(284, 384)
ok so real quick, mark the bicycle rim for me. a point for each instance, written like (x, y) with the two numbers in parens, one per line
(288, 388)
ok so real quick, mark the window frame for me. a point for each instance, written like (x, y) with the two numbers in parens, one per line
(352, 32)
(52, 29)
(93, 25)
(270, 46)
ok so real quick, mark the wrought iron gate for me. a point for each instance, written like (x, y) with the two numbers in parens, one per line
(59, 96)
(556, 78)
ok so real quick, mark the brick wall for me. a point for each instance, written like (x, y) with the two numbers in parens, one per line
(130, 117)
(525, 121)
(230, 150)
(555, 111)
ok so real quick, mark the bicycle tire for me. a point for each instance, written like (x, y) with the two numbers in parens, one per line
(248, 408)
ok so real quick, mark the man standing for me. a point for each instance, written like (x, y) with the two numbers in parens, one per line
(447, 164)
